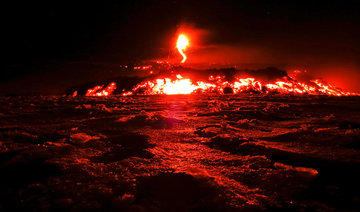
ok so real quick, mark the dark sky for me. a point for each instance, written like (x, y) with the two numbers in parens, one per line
(43, 40)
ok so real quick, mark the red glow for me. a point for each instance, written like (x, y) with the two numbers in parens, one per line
(75, 94)
(143, 67)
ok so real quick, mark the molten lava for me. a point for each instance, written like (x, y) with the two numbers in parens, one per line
(169, 86)
(219, 85)
(181, 44)
(98, 91)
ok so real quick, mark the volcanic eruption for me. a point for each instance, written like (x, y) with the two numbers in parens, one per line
(181, 44)
(172, 81)
(162, 115)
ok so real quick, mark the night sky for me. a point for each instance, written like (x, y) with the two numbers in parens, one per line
(52, 45)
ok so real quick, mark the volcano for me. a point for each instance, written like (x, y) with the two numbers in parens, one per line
(178, 138)
(180, 106)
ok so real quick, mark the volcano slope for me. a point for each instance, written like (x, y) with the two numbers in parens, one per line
(180, 153)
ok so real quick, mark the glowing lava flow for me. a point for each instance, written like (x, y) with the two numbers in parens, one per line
(219, 85)
(98, 91)
(181, 45)
(168, 86)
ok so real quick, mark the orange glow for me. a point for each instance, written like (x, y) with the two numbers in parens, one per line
(181, 44)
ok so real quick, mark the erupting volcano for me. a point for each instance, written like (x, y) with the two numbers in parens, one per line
(171, 81)
(180, 106)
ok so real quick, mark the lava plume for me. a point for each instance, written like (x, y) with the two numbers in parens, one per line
(181, 44)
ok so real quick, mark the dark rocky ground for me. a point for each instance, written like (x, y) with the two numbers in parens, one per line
(180, 153)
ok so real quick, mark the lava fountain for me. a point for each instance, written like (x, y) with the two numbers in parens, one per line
(181, 44)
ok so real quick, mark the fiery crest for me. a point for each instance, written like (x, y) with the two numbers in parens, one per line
(181, 44)
(219, 85)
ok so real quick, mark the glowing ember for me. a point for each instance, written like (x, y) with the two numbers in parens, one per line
(98, 91)
(181, 45)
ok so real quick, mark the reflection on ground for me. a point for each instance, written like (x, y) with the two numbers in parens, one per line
(180, 153)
